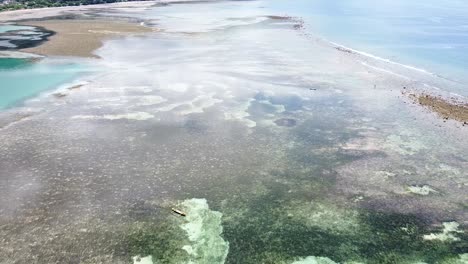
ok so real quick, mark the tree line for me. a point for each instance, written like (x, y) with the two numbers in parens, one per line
(25, 4)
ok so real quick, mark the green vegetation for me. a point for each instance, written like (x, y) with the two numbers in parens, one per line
(163, 241)
(265, 232)
(25, 4)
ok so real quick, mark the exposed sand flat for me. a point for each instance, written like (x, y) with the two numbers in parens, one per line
(81, 37)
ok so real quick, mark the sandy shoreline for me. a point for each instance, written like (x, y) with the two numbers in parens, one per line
(80, 37)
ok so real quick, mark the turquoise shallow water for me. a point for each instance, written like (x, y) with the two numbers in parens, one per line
(22, 79)
(427, 34)
(12, 63)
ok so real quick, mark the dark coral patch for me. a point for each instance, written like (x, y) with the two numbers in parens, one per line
(286, 122)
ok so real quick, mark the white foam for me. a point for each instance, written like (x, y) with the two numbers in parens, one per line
(140, 116)
(151, 100)
(200, 103)
(386, 71)
(140, 260)
(421, 190)
(382, 59)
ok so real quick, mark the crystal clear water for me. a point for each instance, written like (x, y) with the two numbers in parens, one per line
(278, 147)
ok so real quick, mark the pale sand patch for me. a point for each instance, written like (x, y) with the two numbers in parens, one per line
(81, 37)
(447, 234)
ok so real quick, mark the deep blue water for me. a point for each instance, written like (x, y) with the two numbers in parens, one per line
(429, 34)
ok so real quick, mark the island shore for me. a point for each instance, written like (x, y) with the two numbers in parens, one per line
(76, 37)
(80, 37)
(39, 13)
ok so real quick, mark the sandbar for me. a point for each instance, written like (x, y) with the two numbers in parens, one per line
(80, 37)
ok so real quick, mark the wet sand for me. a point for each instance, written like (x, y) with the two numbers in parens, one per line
(80, 37)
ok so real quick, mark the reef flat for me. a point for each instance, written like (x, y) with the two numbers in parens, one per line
(276, 146)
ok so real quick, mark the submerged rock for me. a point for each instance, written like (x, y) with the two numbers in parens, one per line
(286, 122)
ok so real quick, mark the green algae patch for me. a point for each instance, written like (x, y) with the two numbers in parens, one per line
(325, 216)
(272, 229)
(162, 241)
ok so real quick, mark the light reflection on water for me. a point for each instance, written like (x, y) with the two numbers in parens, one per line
(176, 116)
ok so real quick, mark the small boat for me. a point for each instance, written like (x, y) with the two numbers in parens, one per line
(178, 212)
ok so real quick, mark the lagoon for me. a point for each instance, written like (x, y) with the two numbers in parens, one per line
(23, 79)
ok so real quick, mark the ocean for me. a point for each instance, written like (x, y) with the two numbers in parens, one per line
(432, 35)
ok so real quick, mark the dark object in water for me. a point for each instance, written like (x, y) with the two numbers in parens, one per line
(286, 122)
(178, 212)
(313, 89)
(60, 95)
(76, 87)
(344, 50)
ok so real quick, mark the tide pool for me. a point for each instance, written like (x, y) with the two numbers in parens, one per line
(22, 79)
(6, 27)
